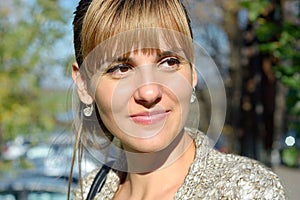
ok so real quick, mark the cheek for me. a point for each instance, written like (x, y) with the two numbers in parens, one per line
(112, 99)
(181, 98)
(180, 86)
(181, 90)
(103, 98)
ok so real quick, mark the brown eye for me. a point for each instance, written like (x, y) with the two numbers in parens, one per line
(119, 71)
(169, 64)
(172, 61)
(123, 69)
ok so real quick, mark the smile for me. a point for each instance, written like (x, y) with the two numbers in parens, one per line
(148, 118)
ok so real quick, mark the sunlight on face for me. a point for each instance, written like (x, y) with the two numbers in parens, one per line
(142, 83)
(142, 90)
(146, 97)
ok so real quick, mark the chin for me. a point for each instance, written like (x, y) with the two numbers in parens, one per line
(148, 145)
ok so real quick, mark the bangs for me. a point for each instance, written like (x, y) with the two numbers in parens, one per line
(150, 39)
(122, 26)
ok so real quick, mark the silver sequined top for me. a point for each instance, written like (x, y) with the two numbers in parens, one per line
(212, 175)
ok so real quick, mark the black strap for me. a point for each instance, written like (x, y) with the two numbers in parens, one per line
(98, 182)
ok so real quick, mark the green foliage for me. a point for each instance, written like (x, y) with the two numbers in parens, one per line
(282, 40)
(255, 7)
(266, 31)
(290, 156)
(288, 71)
(28, 32)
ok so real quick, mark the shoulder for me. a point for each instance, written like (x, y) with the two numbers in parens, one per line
(244, 177)
(216, 175)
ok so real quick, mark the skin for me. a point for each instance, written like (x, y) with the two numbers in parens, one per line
(145, 105)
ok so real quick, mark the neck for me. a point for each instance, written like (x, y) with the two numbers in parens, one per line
(164, 172)
(142, 163)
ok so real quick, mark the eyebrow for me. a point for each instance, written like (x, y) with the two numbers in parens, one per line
(167, 53)
(159, 54)
(120, 59)
(123, 59)
(179, 52)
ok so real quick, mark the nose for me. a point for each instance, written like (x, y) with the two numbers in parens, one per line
(148, 95)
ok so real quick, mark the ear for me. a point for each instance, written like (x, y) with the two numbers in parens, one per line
(82, 91)
(194, 76)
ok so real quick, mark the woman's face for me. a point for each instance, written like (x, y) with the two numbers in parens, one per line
(143, 98)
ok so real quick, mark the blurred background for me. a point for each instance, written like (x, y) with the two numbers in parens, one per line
(255, 44)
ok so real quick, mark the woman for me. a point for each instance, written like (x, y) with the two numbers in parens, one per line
(135, 76)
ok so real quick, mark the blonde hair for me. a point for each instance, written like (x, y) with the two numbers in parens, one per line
(104, 19)
(96, 21)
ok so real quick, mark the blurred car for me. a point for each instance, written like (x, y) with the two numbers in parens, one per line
(46, 173)
(35, 186)
(55, 159)
(14, 149)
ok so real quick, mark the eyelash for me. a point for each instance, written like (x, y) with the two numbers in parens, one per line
(114, 69)
(119, 70)
(175, 61)
(118, 67)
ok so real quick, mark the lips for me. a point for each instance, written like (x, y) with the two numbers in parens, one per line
(148, 118)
